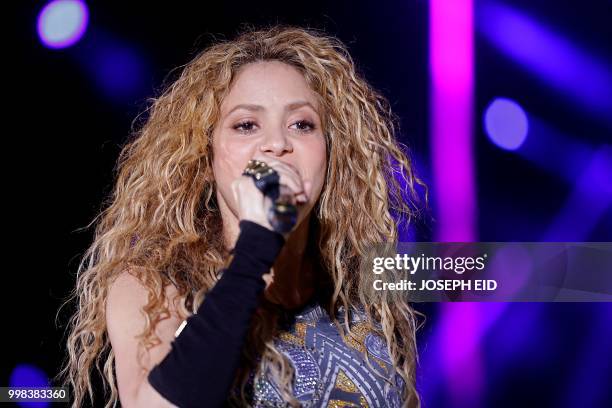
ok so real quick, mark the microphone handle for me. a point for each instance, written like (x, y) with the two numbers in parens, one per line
(282, 215)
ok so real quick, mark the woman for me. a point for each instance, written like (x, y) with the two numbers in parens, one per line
(189, 296)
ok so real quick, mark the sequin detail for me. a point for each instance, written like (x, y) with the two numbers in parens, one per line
(331, 371)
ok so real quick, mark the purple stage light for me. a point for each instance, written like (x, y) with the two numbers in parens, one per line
(452, 96)
(27, 375)
(588, 202)
(451, 44)
(590, 379)
(61, 23)
(506, 123)
(561, 154)
(559, 62)
(119, 70)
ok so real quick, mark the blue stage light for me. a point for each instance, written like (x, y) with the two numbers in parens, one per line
(506, 123)
(550, 54)
(28, 375)
(61, 23)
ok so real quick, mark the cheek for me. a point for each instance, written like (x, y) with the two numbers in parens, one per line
(228, 164)
(229, 160)
(315, 163)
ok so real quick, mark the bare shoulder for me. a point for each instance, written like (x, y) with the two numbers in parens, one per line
(126, 321)
(125, 304)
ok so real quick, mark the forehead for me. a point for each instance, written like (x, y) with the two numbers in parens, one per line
(268, 83)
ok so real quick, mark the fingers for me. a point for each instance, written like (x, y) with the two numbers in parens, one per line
(244, 187)
(249, 201)
(293, 181)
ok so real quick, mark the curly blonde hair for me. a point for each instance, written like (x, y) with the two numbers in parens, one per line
(162, 215)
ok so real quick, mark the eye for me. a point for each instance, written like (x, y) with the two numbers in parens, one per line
(247, 126)
(305, 126)
(244, 127)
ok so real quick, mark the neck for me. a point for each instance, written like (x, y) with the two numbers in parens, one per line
(293, 275)
(292, 278)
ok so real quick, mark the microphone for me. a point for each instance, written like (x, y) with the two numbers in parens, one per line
(282, 215)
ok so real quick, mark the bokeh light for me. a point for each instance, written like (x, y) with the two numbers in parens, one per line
(506, 123)
(28, 375)
(119, 70)
(61, 23)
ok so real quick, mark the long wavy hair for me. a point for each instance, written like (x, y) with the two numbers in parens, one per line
(162, 221)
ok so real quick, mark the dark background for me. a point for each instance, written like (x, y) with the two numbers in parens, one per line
(68, 111)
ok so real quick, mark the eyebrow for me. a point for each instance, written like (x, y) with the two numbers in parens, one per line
(258, 108)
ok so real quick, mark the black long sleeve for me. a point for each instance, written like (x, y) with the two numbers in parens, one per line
(200, 368)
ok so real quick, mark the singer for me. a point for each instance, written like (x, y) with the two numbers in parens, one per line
(202, 289)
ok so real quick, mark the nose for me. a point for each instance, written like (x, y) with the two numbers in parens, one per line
(276, 142)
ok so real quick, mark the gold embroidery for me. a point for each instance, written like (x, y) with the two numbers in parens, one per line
(340, 404)
(357, 341)
(298, 338)
(381, 363)
(290, 338)
(346, 404)
(357, 337)
(300, 330)
(344, 383)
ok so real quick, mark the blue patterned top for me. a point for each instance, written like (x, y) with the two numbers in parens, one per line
(331, 371)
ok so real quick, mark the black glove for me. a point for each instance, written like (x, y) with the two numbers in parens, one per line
(200, 368)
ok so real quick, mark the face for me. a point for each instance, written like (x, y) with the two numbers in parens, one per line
(269, 111)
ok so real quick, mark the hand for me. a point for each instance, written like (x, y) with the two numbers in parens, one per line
(253, 205)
